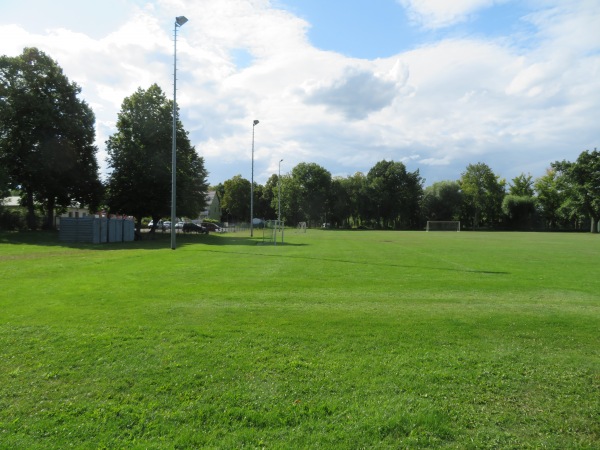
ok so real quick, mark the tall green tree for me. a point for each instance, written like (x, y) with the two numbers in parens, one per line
(348, 198)
(522, 186)
(236, 198)
(483, 192)
(519, 205)
(519, 211)
(549, 198)
(263, 199)
(291, 195)
(394, 194)
(341, 202)
(4, 191)
(47, 135)
(140, 153)
(220, 190)
(583, 177)
(4, 183)
(355, 187)
(312, 184)
(442, 201)
(269, 197)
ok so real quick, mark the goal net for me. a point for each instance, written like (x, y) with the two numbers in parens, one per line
(443, 225)
(272, 229)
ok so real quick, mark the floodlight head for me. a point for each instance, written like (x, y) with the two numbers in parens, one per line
(180, 20)
(256, 122)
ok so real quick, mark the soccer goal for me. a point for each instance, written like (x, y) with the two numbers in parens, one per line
(443, 225)
(271, 229)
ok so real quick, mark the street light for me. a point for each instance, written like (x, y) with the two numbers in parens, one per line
(279, 202)
(179, 21)
(256, 122)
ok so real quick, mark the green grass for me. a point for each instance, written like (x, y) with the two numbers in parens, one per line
(333, 340)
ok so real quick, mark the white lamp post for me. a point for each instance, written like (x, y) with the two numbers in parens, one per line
(256, 122)
(179, 21)
(279, 202)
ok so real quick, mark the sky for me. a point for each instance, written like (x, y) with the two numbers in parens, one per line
(435, 84)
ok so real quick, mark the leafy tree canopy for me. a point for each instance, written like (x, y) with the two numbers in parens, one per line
(522, 185)
(395, 193)
(483, 192)
(442, 201)
(549, 198)
(47, 135)
(582, 182)
(311, 185)
(236, 198)
(140, 153)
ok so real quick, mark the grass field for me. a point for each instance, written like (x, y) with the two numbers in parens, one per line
(333, 340)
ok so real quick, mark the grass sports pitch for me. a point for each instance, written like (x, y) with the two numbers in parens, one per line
(336, 339)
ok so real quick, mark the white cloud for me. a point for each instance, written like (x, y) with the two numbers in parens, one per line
(568, 25)
(443, 13)
(437, 107)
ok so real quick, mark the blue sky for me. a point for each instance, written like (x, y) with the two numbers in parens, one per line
(382, 28)
(359, 29)
(435, 84)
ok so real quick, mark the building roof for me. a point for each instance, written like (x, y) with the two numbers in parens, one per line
(210, 196)
(11, 201)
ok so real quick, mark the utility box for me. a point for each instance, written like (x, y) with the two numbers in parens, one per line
(128, 230)
(115, 230)
(121, 230)
(96, 230)
(83, 229)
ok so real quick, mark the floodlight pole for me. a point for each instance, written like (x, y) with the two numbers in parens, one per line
(179, 21)
(279, 202)
(254, 123)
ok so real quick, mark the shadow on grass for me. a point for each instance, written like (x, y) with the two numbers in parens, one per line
(373, 263)
(162, 241)
(149, 241)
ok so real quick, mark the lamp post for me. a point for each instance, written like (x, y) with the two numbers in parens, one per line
(256, 122)
(279, 202)
(179, 21)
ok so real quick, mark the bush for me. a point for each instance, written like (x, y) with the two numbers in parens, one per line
(519, 211)
(12, 220)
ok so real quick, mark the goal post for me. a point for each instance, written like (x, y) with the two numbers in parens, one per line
(443, 225)
(274, 227)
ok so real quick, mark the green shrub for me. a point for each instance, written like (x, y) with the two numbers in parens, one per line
(11, 219)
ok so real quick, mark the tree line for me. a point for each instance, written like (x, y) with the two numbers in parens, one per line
(48, 157)
(389, 196)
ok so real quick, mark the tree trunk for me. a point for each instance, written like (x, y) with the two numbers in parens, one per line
(31, 219)
(594, 226)
(49, 220)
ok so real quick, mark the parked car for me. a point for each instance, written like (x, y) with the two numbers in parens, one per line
(190, 227)
(179, 225)
(212, 227)
(159, 224)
